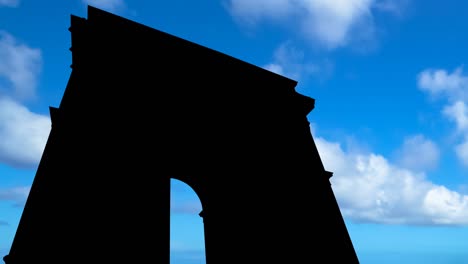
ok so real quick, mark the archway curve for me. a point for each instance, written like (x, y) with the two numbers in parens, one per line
(187, 230)
(194, 185)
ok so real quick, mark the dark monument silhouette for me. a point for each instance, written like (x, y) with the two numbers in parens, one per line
(141, 107)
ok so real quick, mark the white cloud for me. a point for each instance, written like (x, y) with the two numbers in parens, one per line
(289, 61)
(17, 195)
(395, 7)
(462, 152)
(418, 153)
(330, 23)
(249, 11)
(313, 128)
(9, 3)
(439, 82)
(20, 65)
(109, 5)
(457, 112)
(275, 67)
(445, 206)
(371, 189)
(453, 88)
(23, 134)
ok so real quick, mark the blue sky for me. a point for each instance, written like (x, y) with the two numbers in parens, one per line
(391, 116)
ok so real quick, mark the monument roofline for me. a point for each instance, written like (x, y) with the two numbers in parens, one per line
(98, 16)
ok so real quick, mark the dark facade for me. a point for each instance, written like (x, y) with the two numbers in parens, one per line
(141, 107)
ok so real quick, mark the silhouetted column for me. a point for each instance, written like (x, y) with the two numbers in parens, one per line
(202, 214)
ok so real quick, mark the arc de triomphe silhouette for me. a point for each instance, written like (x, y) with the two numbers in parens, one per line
(141, 107)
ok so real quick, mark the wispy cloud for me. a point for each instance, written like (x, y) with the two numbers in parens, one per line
(289, 61)
(17, 195)
(108, 5)
(458, 113)
(20, 66)
(331, 24)
(395, 7)
(452, 87)
(9, 3)
(371, 189)
(418, 153)
(252, 12)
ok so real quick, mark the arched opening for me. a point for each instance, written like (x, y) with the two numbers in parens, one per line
(187, 240)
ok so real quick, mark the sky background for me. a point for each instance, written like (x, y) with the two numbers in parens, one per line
(391, 115)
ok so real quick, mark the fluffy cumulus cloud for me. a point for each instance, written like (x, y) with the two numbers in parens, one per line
(17, 195)
(20, 66)
(330, 23)
(23, 134)
(451, 86)
(109, 5)
(9, 3)
(418, 153)
(371, 189)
